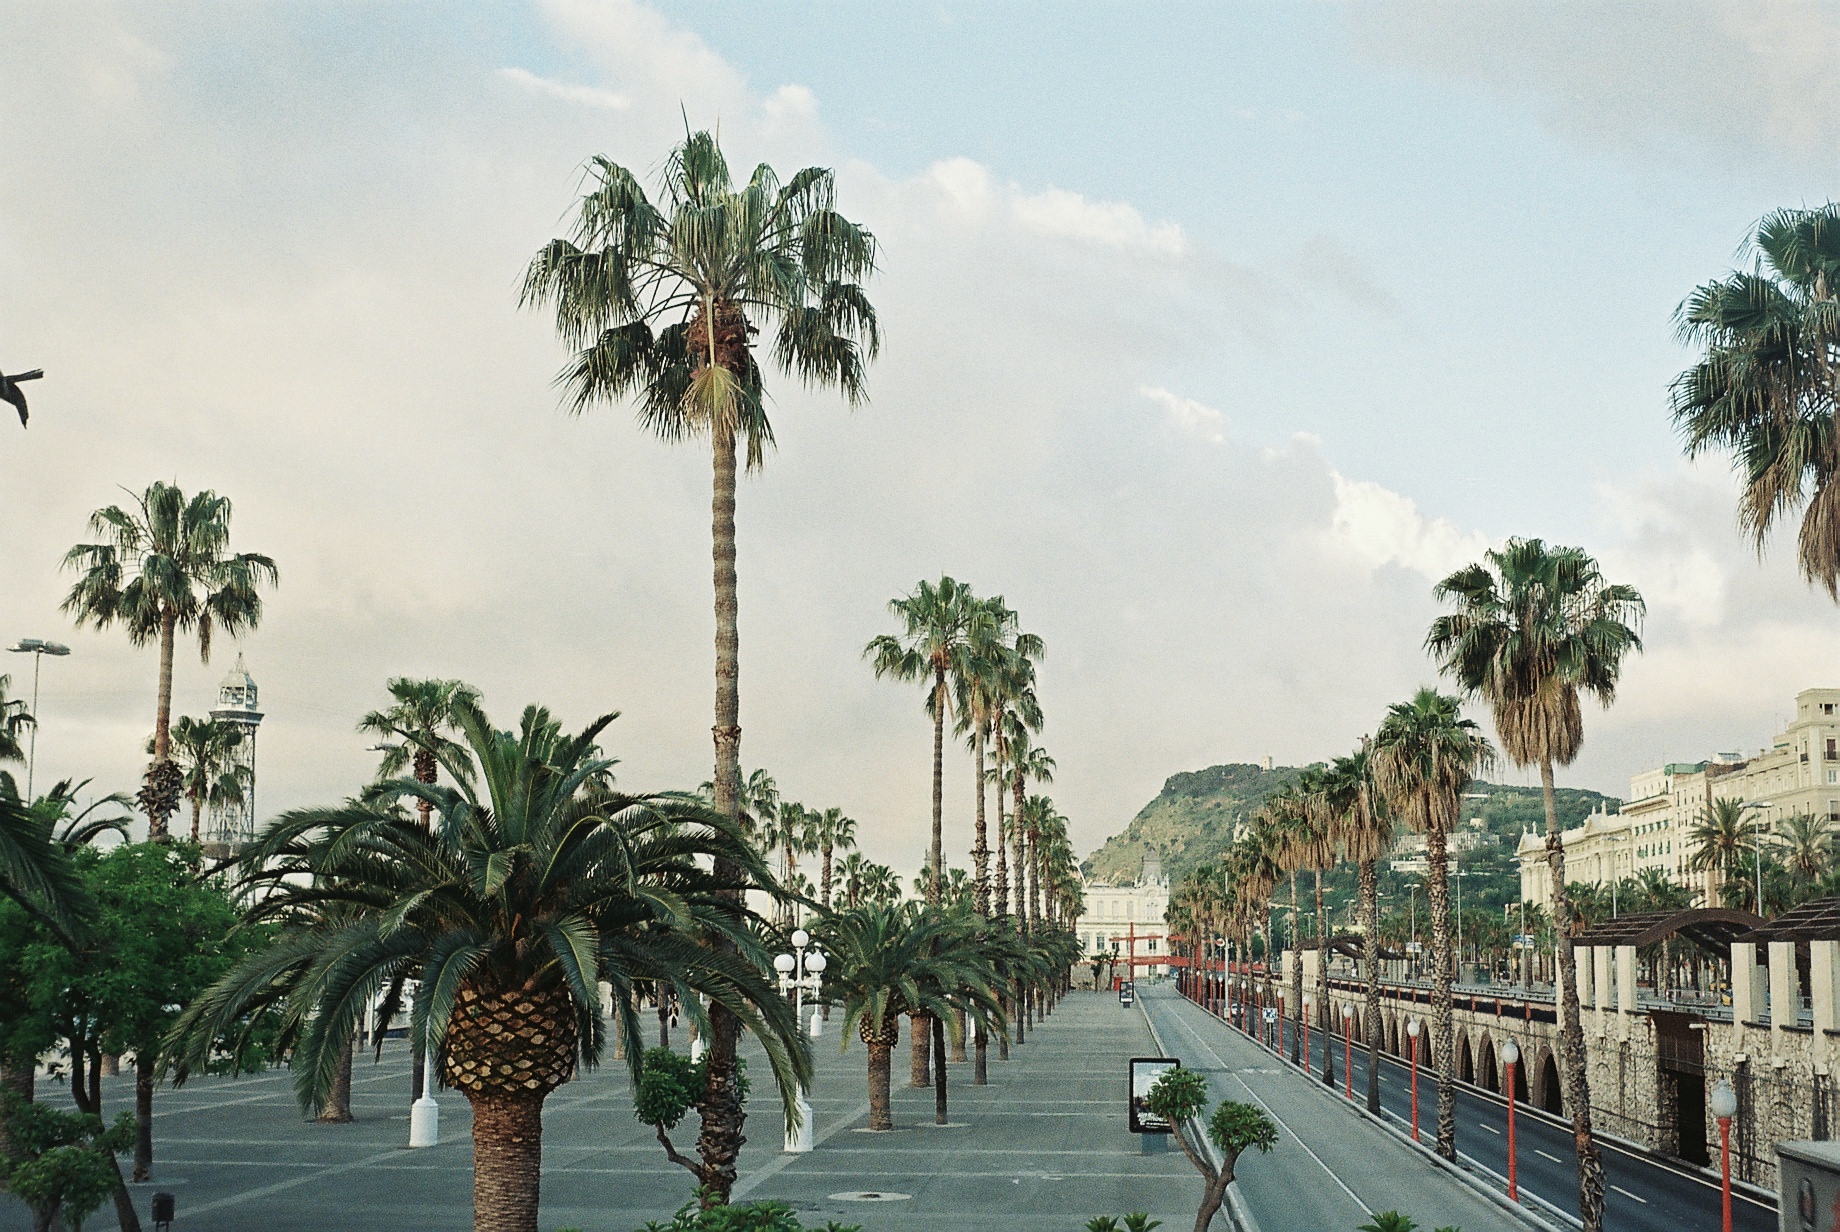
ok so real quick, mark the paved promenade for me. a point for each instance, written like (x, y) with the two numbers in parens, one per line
(1044, 1146)
(1329, 1170)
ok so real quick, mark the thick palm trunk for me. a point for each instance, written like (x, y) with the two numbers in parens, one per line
(337, 1109)
(980, 848)
(1370, 912)
(1323, 1008)
(824, 878)
(507, 1160)
(1571, 1028)
(161, 776)
(880, 1067)
(143, 1113)
(980, 1065)
(939, 1064)
(1441, 1009)
(719, 1142)
(935, 860)
(197, 808)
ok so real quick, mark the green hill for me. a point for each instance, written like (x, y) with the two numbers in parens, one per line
(1193, 819)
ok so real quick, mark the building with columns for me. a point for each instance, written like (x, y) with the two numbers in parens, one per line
(1798, 773)
(1127, 920)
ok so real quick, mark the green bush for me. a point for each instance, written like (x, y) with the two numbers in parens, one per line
(60, 1164)
(742, 1217)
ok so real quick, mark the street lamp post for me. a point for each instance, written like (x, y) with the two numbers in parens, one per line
(1348, 1048)
(1756, 848)
(424, 1113)
(38, 648)
(1309, 1004)
(1510, 1057)
(798, 971)
(1412, 1029)
(1724, 1106)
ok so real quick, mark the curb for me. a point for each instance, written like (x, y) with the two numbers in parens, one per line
(1461, 1172)
(1235, 1207)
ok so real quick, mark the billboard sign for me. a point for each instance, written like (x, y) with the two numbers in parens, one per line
(1144, 1073)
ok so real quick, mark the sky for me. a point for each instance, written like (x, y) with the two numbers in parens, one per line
(1214, 336)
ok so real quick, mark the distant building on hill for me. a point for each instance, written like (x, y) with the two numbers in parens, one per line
(1798, 773)
(1127, 920)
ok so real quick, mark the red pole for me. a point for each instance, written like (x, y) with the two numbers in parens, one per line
(1725, 1170)
(1412, 1048)
(1514, 1191)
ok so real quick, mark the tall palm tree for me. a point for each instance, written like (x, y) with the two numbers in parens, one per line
(1318, 844)
(1765, 386)
(852, 872)
(164, 568)
(422, 714)
(1718, 836)
(1367, 835)
(760, 802)
(1000, 667)
(529, 889)
(1805, 844)
(1019, 711)
(791, 833)
(1535, 627)
(210, 772)
(834, 833)
(1425, 755)
(661, 302)
(14, 718)
(1026, 763)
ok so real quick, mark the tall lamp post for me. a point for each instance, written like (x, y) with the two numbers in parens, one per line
(1348, 1048)
(1756, 841)
(798, 1138)
(1309, 1004)
(1510, 1057)
(1724, 1106)
(1412, 1029)
(38, 648)
(424, 1113)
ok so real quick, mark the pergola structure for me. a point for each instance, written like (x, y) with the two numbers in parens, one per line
(1711, 929)
(1351, 945)
(1816, 921)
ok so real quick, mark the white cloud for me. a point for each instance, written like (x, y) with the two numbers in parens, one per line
(1381, 527)
(590, 96)
(1189, 417)
(974, 193)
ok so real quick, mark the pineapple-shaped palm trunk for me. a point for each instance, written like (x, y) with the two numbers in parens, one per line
(881, 1066)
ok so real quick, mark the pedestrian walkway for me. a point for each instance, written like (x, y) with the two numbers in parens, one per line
(1330, 1170)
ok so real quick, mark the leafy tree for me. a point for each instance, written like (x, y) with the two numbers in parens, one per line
(1180, 1096)
(531, 886)
(1534, 628)
(1764, 387)
(164, 568)
(60, 1164)
(661, 302)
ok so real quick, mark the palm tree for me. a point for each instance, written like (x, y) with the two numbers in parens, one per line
(1805, 845)
(1018, 711)
(1317, 843)
(13, 717)
(1425, 755)
(759, 803)
(164, 567)
(1000, 667)
(210, 772)
(1367, 835)
(1534, 628)
(791, 832)
(1718, 837)
(661, 302)
(423, 713)
(1765, 387)
(834, 833)
(530, 887)
(35, 870)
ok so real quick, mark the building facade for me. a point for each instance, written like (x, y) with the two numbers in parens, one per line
(1127, 920)
(1798, 773)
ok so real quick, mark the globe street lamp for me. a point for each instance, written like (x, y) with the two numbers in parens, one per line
(1412, 1029)
(1724, 1106)
(1348, 1048)
(38, 648)
(798, 1138)
(1510, 1056)
(1309, 1004)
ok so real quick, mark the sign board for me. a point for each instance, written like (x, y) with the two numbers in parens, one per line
(1271, 1015)
(1144, 1073)
(1127, 992)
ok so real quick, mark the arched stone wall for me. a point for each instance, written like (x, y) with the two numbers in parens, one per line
(1466, 1066)
(1550, 1094)
(1488, 1075)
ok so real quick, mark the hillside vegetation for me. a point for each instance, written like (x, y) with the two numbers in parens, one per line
(1192, 819)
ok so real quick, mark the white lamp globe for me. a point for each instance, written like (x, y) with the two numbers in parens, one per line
(1724, 1101)
(1510, 1053)
(1412, 1028)
(1347, 1011)
(815, 962)
(800, 938)
(1309, 1003)
(784, 963)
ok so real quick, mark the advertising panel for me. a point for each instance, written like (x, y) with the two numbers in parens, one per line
(1144, 1073)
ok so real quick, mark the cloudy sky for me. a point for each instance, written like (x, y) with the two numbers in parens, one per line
(1213, 337)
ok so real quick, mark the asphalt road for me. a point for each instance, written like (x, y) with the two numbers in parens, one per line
(1642, 1195)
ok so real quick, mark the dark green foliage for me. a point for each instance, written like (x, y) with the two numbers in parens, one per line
(1136, 1221)
(1393, 1221)
(60, 1164)
(1241, 1127)
(1178, 1095)
(744, 1217)
(669, 1086)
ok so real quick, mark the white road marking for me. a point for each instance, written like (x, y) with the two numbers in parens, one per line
(1554, 1158)
(1627, 1194)
(1490, 1128)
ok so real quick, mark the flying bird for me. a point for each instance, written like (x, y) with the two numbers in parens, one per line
(10, 391)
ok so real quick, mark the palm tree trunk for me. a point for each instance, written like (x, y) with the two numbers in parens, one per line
(936, 856)
(980, 1066)
(1442, 1014)
(143, 1113)
(824, 880)
(880, 1065)
(337, 1109)
(920, 1067)
(1571, 1027)
(162, 727)
(1002, 860)
(1370, 912)
(980, 848)
(507, 1160)
(197, 808)
(939, 1063)
(719, 1143)
(1323, 1007)
(1296, 1006)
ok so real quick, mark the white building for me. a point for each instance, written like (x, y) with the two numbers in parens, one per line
(1127, 920)
(235, 824)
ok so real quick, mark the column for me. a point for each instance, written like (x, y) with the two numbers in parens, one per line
(1785, 1005)
(1625, 989)
(1746, 984)
(1606, 995)
(1581, 963)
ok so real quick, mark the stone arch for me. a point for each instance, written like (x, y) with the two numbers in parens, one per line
(1519, 1091)
(1547, 1090)
(1488, 1073)
(1466, 1068)
(1389, 1028)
